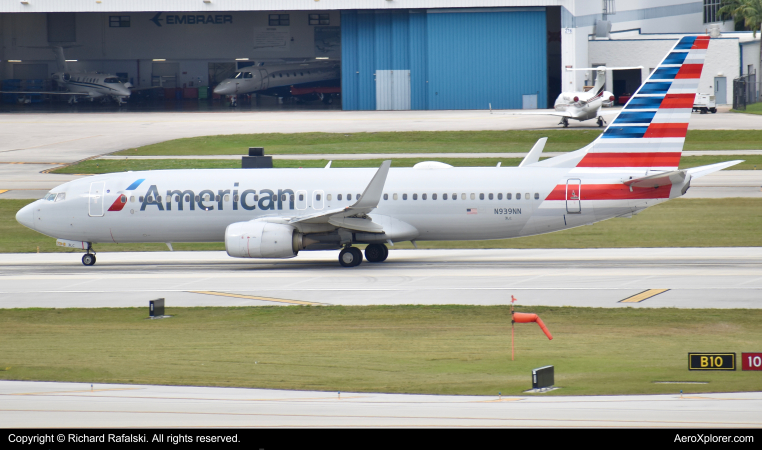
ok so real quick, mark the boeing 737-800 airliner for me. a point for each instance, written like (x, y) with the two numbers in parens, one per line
(275, 213)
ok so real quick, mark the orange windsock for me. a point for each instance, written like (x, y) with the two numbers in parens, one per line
(526, 318)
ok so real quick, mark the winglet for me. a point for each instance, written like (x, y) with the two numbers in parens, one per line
(372, 195)
(534, 155)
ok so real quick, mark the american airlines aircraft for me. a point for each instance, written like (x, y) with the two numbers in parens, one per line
(275, 213)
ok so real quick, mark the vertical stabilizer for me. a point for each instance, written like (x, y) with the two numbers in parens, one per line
(60, 58)
(650, 131)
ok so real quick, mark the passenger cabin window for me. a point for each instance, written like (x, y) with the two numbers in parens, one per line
(463, 196)
(404, 196)
(318, 197)
(349, 196)
(526, 196)
(415, 196)
(132, 199)
(473, 196)
(536, 196)
(444, 197)
(433, 196)
(394, 196)
(227, 197)
(490, 196)
(386, 196)
(301, 197)
(338, 197)
(508, 196)
(481, 196)
(499, 196)
(423, 196)
(328, 197)
(518, 196)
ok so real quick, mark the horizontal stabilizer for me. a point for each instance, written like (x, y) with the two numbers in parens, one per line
(698, 172)
(534, 155)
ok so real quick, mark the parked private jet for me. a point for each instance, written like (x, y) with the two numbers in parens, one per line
(583, 106)
(85, 85)
(275, 213)
(277, 79)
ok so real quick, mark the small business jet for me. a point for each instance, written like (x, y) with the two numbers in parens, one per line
(83, 85)
(583, 106)
(276, 213)
(278, 79)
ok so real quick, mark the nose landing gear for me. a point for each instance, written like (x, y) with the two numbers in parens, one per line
(564, 121)
(601, 122)
(88, 258)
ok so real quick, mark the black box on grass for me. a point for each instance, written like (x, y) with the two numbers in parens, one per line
(156, 307)
(543, 377)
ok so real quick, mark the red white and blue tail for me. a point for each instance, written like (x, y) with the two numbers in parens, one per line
(650, 131)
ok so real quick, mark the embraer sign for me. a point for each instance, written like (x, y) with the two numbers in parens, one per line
(192, 19)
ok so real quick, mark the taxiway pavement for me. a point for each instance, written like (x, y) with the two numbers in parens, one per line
(671, 277)
(49, 405)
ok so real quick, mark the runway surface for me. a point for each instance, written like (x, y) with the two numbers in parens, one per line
(49, 405)
(667, 277)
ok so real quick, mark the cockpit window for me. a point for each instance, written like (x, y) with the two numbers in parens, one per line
(238, 75)
(247, 75)
(50, 197)
(61, 197)
(111, 80)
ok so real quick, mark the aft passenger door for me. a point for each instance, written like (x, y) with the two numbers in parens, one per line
(95, 200)
(573, 195)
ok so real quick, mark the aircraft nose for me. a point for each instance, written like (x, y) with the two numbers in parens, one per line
(223, 88)
(25, 216)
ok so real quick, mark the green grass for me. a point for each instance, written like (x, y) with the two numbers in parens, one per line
(406, 349)
(728, 222)
(385, 142)
(423, 142)
(755, 108)
(109, 166)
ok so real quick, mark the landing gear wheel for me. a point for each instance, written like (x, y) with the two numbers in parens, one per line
(565, 122)
(601, 121)
(350, 257)
(88, 259)
(376, 253)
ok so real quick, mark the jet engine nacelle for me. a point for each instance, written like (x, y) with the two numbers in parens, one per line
(262, 240)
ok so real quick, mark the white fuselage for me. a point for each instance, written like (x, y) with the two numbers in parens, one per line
(586, 106)
(260, 78)
(476, 204)
(93, 85)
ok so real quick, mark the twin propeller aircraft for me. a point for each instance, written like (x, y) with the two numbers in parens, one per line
(276, 213)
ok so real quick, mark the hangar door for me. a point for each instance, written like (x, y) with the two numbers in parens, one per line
(456, 58)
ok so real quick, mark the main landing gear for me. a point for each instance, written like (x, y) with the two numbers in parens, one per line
(601, 122)
(88, 258)
(352, 256)
(564, 121)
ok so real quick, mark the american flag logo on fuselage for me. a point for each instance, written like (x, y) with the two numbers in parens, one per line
(650, 130)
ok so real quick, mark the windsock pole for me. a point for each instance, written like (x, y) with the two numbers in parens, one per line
(513, 299)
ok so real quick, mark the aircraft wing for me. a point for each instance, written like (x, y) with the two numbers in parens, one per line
(44, 92)
(354, 217)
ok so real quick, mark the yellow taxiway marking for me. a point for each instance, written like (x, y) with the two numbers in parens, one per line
(72, 392)
(256, 297)
(645, 295)
(3, 191)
